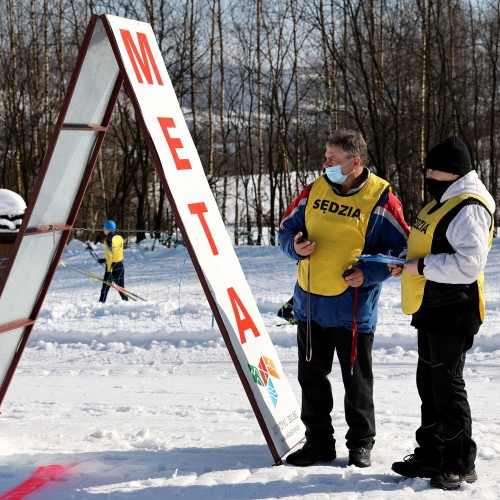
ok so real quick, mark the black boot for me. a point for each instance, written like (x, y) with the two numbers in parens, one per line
(360, 457)
(311, 453)
(415, 465)
(452, 481)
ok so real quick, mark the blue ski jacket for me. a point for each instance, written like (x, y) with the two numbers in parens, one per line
(387, 233)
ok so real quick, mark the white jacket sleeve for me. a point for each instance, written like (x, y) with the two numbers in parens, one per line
(468, 234)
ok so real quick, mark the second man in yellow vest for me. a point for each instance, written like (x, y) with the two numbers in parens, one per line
(442, 288)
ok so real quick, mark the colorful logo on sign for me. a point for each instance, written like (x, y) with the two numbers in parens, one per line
(262, 376)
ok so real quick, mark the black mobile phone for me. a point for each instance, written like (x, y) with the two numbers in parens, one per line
(303, 238)
(347, 272)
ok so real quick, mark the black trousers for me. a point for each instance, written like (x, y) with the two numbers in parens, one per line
(317, 399)
(116, 275)
(445, 433)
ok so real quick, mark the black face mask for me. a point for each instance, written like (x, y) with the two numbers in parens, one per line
(437, 188)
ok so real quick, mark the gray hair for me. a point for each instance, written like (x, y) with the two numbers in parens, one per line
(351, 142)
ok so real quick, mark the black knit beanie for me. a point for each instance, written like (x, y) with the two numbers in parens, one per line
(451, 156)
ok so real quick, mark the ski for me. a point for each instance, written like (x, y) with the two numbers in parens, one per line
(77, 269)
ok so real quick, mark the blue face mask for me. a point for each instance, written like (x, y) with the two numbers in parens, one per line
(335, 174)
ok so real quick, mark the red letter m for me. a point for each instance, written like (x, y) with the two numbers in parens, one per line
(144, 58)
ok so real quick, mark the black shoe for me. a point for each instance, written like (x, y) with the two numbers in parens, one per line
(470, 477)
(311, 453)
(415, 466)
(452, 481)
(446, 481)
(360, 457)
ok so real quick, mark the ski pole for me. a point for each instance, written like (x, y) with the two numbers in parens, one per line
(96, 257)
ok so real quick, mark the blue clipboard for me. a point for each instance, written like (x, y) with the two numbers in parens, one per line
(382, 259)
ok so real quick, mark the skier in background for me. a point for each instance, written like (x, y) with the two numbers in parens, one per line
(115, 271)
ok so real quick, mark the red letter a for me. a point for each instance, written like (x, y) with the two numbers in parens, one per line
(245, 322)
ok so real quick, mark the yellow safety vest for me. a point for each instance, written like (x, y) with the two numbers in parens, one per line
(338, 225)
(115, 253)
(420, 245)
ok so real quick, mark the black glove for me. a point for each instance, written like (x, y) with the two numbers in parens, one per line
(102, 261)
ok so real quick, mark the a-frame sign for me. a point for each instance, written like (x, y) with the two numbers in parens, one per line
(116, 52)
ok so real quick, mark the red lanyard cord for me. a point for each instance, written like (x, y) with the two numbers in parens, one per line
(354, 345)
(309, 348)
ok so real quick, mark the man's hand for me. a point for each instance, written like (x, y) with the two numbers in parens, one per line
(302, 246)
(356, 278)
(396, 269)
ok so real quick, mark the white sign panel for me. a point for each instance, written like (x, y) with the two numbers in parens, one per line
(147, 76)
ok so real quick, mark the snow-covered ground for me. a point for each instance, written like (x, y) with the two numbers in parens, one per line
(141, 400)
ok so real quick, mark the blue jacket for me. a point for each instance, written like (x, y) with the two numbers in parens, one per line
(387, 233)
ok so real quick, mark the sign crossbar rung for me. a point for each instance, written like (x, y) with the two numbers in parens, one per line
(17, 324)
(79, 127)
(48, 228)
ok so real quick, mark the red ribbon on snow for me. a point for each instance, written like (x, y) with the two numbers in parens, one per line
(354, 345)
(43, 475)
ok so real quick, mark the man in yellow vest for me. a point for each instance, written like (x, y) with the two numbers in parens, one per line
(345, 212)
(115, 271)
(442, 287)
